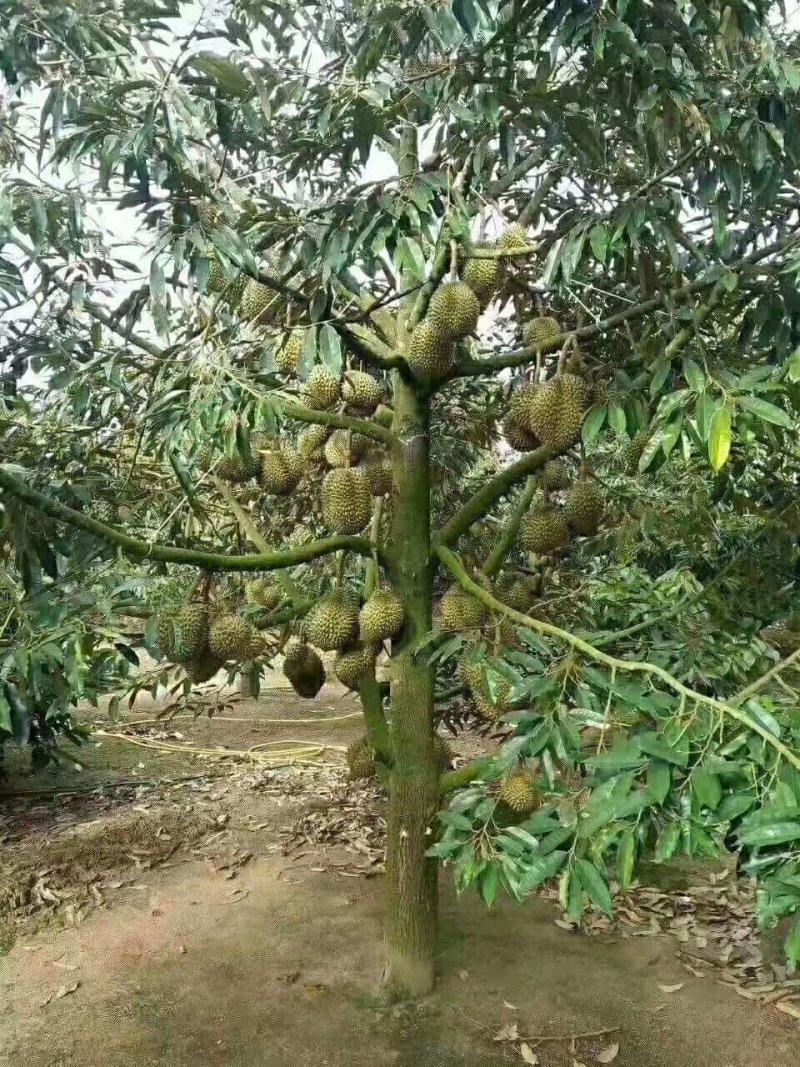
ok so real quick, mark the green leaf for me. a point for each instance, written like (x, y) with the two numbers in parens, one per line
(694, 375)
(489, 885)
(766, 411)
(719, 438)
(626, 858)
(706, 788)
(540, 869)
(703, 412)
(776, 833)
(456, 820)
(593, 424)
(667, 842)
(616, 418)
(599, 239)
(230, 78)
(659, 780)
(595, 885)
(5, 714)
(791, 945)
(330, 348)
(658, 745)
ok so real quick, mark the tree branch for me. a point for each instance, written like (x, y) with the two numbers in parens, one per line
(374, 719)
(461, 776)
(481, 502)
(495, 559)
(454, 565)
(342, 422)
(212, 561)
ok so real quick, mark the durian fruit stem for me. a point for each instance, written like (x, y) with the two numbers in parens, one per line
(374, 720)
(411, 920)
(373, 579)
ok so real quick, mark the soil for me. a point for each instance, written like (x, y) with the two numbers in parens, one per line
(215, 948)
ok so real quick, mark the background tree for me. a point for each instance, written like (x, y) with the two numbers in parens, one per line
(388, 246)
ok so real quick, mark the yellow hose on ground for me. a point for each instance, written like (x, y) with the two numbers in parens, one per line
(305, 753)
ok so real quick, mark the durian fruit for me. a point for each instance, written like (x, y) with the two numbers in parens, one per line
(232, 637)
(558, 409)
(429, 354)
(216, 281)
(483, 276)
(164, 638)
(360, 758)
(460, 610)
(384, 415)
(323, 388)
(281, 470)
(491, 701)
(288, 355)
(203, 668)
(379, 473)
(346, 500)
(361, 392)
(632, 452)
(354, 664)
(442, 753)
(539, 332)
(512, 239)
(311, 441)
(516, 592)
(332, 622)
(583, 508)
(234, 469)
(255, 300)
(518, 792)
(235, 291)
(263, 593)
(381, 617)
(190, 633)
(345, 448)
(517, 423)
(454, 311)
(543, 530)
(304, 669)
(555, 475)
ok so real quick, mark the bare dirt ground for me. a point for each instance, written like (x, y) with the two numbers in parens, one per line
(231, 915)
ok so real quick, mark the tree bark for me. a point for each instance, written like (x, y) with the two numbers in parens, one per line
(411, 920)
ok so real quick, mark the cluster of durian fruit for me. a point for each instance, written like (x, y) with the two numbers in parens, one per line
(456, 305)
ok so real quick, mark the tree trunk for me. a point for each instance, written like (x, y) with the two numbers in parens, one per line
(414, 781)
(248, 682)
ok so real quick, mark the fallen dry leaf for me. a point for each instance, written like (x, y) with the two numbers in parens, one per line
(671, 988)
(788, 1009)
(577, 1063)
(511, 1007)
(509, 1032)
(463, 975)
(65, 990)
(528, 1055)
(608, 1055)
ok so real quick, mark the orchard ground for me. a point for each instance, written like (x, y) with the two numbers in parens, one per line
(234, 917)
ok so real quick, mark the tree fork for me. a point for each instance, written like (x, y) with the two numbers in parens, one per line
(411, 920)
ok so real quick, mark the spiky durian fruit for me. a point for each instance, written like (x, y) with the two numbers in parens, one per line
(360, 758)
(217, 281)
(361, 392)
(543, 530)
(290, 351)
(323, 388)
(483, 276)
(379, 473)
(442, 752)
(381, 617)
(632, 452)
(234, 469)
(518, 792)
(203, 668)
(514, 238)
(190, 633)
(583, 508)
(311, 441)
(304, 669)
(164, 637)
(454, 311)
(352, 665)
(558, 409)
(517, 592)
(345, 448)
(232, 637)
(255, 300)
(281, 470)
(429, 355)
(555, 475)
(517, 423)
(489, 689)
(346, 500)
(333, 622)
(263, 593)
(460, 610)
(540, 332)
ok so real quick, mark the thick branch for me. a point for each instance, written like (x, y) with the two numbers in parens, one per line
(374, 719)
(454, 565)
(477, 506)
(341, 422)
(495, 559)
(213, 561)
(461, 776)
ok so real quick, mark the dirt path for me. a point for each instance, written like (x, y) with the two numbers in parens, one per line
(229, 952)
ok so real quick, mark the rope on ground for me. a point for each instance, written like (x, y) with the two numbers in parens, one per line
(303, 754)
(230, 718)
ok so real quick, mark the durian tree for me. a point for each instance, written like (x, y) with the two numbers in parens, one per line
(456, 335)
